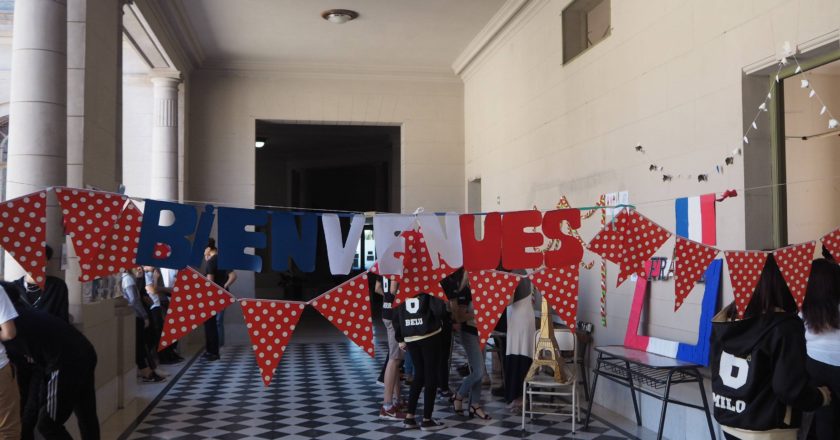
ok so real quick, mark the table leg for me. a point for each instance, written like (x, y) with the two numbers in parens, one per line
(633, 394)
(705, 404)
(592, 392)
(665, 398)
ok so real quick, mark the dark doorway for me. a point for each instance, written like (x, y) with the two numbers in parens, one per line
(322, 167)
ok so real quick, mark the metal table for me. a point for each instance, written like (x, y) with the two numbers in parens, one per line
(647, 373)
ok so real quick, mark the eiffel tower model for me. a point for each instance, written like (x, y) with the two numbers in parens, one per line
(547, 352)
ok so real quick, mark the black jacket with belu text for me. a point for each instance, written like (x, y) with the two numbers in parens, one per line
(759, 381)
(418, 316)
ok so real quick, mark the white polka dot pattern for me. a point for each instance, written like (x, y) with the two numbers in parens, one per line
(419, 275)
(23, 222)
(560, 286)
(692, 259)
(744, 271)
(491, 293)
(347, 307)
(642, 238)
(795, 264)
(195, 299)
(270, 325)
(118, 251)
(88, 217)
(831, 241)
(609, 241)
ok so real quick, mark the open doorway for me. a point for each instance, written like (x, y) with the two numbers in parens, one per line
(329, 168)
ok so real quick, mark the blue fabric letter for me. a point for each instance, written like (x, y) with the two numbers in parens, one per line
(174, 235)
(233, 238)
(287, 243)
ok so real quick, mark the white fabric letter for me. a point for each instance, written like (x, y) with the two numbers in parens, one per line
(733, 370)
(341, 254)
(386, 230)
(447, 244)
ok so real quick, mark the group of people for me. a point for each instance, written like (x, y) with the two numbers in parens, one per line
(420, 333)
(774, 363)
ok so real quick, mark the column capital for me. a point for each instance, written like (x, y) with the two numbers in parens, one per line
(165, 76)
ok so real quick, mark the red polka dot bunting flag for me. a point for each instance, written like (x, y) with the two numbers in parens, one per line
(642, 237)
(270, 325)
(419, 275)
(831, 241)
(795, 264)
(692, 259)
(119, 248)
(491, 293)
(23, 232)
(88, 217)
(744, 271)
(347, 307)
(560, 286)
(195, 299)
(609, 241)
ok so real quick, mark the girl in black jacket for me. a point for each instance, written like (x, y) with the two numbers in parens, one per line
(759, 381)
(418, 329)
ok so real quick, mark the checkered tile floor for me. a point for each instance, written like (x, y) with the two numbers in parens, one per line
(323, 391)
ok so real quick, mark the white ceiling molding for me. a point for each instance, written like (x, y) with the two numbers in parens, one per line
(332, 71)
(500, 22)
(156, 17)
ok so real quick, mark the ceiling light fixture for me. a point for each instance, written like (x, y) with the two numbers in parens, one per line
(339, 16)
(260, 142)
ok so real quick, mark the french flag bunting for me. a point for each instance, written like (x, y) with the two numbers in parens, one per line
(696, 219)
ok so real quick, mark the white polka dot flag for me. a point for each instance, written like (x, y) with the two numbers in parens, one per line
(118, 251)
(692, 259)
(419, 275)
(347, 307)
(609, 241)
(23, 232)
(270, 325)
(560, 286)
(642, 238)
(88, 217)
(831, 241)
(795, 264)
(744, 271)
(491, 293)
(195, 299)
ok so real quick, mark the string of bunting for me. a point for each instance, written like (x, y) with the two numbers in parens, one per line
(629, 241)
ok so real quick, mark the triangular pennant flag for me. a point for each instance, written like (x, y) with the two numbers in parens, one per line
(119, 249)
(88, 216)
(347, 307)
(744, 271)
(609, 241)
(642, 237)
(831, 241)
(560, 287)
(23, 232)
(795, 264)
(270, 325)
(419, 275)
(195, 299)
(491, 294)
(692, 259)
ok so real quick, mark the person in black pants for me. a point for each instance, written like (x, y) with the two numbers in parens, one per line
(142, 354)
(53, 348)
(418, 330)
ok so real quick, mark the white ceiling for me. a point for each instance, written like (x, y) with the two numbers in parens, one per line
(406, 34)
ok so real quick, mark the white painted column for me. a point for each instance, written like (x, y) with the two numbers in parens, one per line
(38, 109)
(164, 172)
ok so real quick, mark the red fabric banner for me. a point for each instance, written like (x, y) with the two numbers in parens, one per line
(692, 260)
(347, 307)
(642, 238)
(560, 287)
(795, 264)
(270, 326)
(419, 274)
(118, 250)
(491, 293)
(88, 217)
(23, 233)
(744, 271)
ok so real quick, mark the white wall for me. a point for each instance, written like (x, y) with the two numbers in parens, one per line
(137, 135)
(669, 76)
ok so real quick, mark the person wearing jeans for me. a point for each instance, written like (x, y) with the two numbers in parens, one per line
(464, 315)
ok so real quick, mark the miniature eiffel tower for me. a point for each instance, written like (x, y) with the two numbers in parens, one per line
(547, 352)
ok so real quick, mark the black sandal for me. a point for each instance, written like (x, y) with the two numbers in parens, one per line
(474, 412)
(455, 406)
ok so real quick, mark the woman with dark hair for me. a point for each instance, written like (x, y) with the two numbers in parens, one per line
(821, 312)
(759, 380)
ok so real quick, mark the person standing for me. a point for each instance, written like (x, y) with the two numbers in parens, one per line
(519, 344)
(214, 328)
(464, 315)
(419, 329)
(142, 357)
(9, 392)
(390, 409)
(158, 301)
(60, 352)
(821, 313)
(759, 380)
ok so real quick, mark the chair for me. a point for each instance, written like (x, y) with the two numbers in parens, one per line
(584, 333)
(547, 387)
